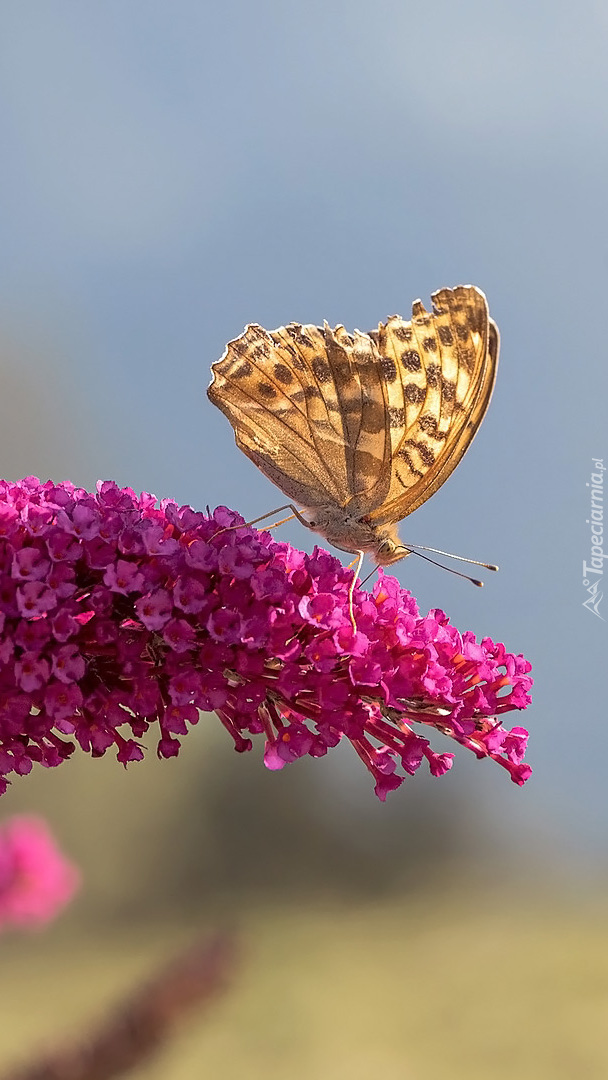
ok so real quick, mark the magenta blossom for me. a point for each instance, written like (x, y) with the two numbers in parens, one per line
(116, 615)
(36, 879)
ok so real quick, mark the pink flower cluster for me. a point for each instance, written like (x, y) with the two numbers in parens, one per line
(36, 879)
(116, 614)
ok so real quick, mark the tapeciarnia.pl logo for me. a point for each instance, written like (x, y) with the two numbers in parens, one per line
(593, 571)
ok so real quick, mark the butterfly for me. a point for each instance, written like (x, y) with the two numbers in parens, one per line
(361, 429)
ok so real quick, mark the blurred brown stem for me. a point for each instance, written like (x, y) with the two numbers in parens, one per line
(145, 1021)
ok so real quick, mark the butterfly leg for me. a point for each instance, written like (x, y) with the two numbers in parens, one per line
(373, 571)
(352, 589)
(269, 513)
(281, 522)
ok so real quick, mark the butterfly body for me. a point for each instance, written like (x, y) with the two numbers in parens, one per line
(349, 533)
(361, 429)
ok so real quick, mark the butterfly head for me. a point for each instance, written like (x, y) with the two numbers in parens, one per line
(389, 548)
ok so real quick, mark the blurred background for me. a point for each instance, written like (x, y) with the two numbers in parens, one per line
(172, 171)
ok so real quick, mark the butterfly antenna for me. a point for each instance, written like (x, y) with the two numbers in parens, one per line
(450, 570)
(449, 555)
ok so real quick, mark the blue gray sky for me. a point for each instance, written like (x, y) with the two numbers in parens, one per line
(172, 171)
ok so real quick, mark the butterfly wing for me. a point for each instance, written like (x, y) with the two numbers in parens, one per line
(440, 370)
(309, 407)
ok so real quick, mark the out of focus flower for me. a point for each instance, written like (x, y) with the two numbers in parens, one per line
(36, 879)
(116, 615)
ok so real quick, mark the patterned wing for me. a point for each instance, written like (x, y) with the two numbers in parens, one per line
(308, 405)
(440, 370)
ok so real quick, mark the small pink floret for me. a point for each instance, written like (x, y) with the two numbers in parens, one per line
(36, 879)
